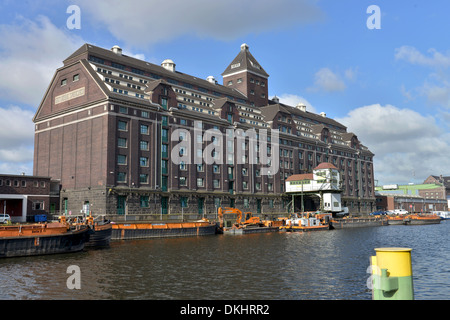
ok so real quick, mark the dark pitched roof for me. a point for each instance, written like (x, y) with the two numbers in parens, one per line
(271, 110)
(89, 49)
(245, 61)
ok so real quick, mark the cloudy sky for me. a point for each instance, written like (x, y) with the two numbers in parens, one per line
(389, 85)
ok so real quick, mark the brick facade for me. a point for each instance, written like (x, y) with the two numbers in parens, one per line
(108, 124)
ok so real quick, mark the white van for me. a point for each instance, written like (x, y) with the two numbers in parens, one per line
(400, 211)
(4, 218)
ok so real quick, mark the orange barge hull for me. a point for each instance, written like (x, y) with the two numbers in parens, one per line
(130, 231)
(22, 241)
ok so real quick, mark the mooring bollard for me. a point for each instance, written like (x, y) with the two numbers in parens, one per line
(392, 274)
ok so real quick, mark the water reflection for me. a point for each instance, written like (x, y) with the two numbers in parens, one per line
(276, 266)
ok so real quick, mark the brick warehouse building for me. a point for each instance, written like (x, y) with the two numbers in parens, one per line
(107, 123)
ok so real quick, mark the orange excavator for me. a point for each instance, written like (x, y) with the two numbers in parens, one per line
(235, 218)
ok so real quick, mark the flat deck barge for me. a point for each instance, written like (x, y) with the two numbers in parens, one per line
(340, 223)
(150, 230)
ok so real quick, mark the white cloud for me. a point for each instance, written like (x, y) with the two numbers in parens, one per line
(141, 23)
(414, 56)
(293, 100)
(408, 146)
(328, 81)
(31, 53)
(16, 140)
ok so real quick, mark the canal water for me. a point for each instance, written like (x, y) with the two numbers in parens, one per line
(326, 265)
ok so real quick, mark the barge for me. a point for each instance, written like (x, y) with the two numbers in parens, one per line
(142, 230)
(414, 219)
(234, 221)
(100, 229)
(341, 223)
(41, 239)
(306, 222)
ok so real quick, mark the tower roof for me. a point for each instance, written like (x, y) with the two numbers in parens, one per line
(245, 61)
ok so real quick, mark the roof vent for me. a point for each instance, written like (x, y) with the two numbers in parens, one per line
(323, 114)
(211, 79)
(117, 50)
(301, 106)
(276, 99)
(244, 47)
(168, 65)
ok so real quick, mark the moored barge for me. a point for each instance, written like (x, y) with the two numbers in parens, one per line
(234, 221)
(414, 219)
(306, 222)
(100, 229)
(341, 223)
(41, 239)
(142, 230)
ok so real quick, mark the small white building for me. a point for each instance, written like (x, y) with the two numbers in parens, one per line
(324, 182)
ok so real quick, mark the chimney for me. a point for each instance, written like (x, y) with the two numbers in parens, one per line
(211, 79)
(117, 50)
(168, 65)
(301, 106)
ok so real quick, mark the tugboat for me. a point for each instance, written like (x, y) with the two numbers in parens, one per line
(304, 222)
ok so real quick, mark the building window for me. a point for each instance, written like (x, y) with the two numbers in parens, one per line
(165, 135)
(121, 159)
(244, 184)
(121, 177)
(63, 82)
(122, 125)
(216, 168)
(144, 114)
(144, 145)
(144, 129)
(246, 203)
(123, 110)
(76, 77)
(184, 202)
(144, 201)
(164, 103)
(143, 178)
(38, 205)
(199, 182)
(122, 142)
(164, 167)
(216, 183)
(182, 181)
(24, 183)
(182, 165)
(143, 161)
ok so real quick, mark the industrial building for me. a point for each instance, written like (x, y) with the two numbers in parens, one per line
(133, 139)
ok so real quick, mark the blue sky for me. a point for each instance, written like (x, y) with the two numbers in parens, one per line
(390, 86)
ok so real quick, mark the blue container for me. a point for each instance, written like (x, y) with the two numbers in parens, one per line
(40, 218)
